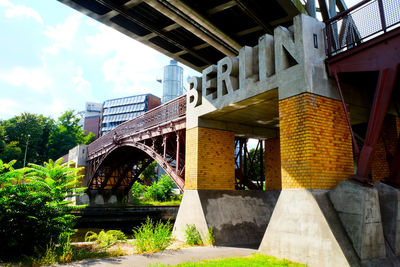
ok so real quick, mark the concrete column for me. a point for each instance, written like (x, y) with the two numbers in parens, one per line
(210, 159)
(272, 157)
(316, 147)
(386, 145)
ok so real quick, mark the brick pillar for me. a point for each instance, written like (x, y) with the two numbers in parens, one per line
(386, 146)
(210, 159)
(316, 146)
(272, 157)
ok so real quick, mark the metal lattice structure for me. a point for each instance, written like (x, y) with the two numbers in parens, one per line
(354, 40)
(360, 23)
(116, 160)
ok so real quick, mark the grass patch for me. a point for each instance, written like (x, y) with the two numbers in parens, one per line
(255, 260)
(159, 203)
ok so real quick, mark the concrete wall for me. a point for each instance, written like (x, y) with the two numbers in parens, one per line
(238, 218)
(305, 228)
(359, 211)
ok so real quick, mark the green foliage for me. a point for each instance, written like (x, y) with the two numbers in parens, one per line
(48, 258)
(66, 135)
(152, 238)
(105, 239)
(148, 174)
(40, 136)
(33, 209)
(210, 237)
(255, 260)
(160, 190)
(192, 235)
(11, 151)
(64, 250)
(137, 191)
(15, 133)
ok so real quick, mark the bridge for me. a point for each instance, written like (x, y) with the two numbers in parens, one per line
(324, 98)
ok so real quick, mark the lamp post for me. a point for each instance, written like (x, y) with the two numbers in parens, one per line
(26, 148)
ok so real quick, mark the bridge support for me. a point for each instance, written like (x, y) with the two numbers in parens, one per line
(210, 159)
(316, 145)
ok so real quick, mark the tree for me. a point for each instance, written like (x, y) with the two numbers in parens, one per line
(66, 135)
(148, 174)
(254, 172)
(19, 130)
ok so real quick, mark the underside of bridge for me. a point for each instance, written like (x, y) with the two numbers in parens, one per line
(313, 92)
(196, 33)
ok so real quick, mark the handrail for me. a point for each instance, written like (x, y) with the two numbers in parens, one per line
(359, 24)
(161, 114)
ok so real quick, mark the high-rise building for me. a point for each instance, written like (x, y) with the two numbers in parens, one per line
(172, 82)
(90, 118)
(119, 110)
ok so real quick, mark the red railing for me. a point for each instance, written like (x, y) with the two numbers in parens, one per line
(361, 23)
(167, 112)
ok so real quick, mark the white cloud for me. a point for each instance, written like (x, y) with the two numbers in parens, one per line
(129, 65)
(80, 84)
(63, 34)
(20, 11)
(8, 106)
(36, 79)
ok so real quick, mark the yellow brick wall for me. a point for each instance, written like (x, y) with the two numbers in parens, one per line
(210, 159)
(316, 147)
(387, 141)
(272, 157)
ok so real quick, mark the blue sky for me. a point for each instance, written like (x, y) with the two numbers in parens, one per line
(53, 58)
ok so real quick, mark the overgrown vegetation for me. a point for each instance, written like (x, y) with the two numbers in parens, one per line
(192, 235)
(158, 192)
(150, 237)
(34, 211)
(255, 260)
(105, 239)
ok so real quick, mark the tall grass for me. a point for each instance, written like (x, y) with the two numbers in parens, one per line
(152, 238)
(192, 235)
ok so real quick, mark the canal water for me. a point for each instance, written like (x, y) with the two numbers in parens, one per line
(124, 218)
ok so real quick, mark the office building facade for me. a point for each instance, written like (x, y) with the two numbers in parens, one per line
(119, 110)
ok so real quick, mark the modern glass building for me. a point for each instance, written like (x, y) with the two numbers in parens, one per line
(173, 81)
(119, 110)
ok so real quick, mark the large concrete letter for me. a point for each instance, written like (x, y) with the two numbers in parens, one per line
(209, 83)
(248, 66)
(266, 56)
(286, 49)
(194, 93)
(227, 79)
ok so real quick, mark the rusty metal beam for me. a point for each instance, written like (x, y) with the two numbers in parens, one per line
(380, 104)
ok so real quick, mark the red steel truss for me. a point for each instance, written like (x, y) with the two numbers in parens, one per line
(116, 159)
(357, 44)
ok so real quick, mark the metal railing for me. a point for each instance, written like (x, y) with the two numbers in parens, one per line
(360, 23)
(167, 112)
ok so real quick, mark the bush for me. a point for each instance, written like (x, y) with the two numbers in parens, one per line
(137, 191)
(105, 239)
(150, 238)
(33, 210)
(161, 190)
(192, 235)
